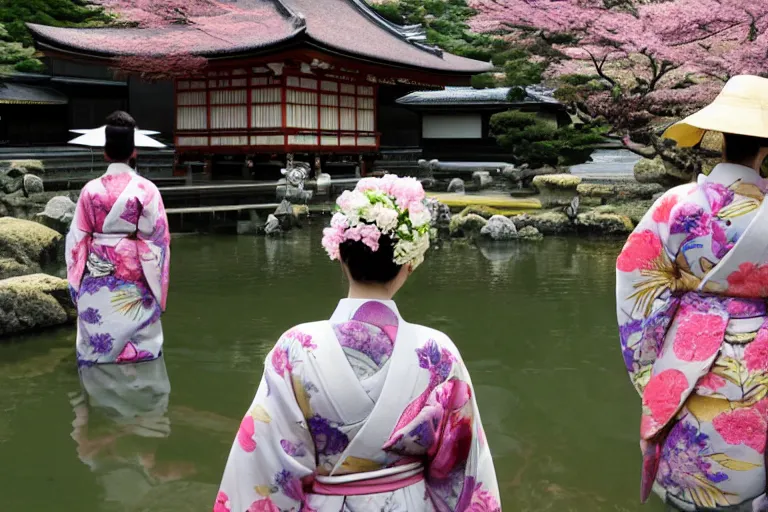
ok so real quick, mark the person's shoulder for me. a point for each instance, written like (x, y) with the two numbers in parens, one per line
(144, 182)
(439, 337)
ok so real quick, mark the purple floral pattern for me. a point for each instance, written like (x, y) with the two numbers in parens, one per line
(329, 440)
(692, 220)
(101, 343)
(684, 458)
(365, 338)
(91, 316)
(132, 211)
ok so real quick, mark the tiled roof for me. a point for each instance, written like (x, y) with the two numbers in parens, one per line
(347, 26)
(471, 96)
(17, 94)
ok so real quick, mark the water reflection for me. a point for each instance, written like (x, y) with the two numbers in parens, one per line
(121, 420)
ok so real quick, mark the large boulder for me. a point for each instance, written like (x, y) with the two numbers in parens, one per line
(499, 228)
(22, 207)
(597, 223)
(28, 166)
(634, 210)
(468, 225)
(58, 214)
(556, 189)
(26, 246)
(34, 302)
(661, 172)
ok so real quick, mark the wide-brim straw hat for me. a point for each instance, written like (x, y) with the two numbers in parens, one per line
(741, 108)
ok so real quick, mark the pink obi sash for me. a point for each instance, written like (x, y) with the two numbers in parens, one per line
(370, 482)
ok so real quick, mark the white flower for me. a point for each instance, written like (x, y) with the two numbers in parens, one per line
(385, 218)
(420, 218)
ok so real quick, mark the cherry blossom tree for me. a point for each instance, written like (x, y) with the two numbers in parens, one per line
(652, 59)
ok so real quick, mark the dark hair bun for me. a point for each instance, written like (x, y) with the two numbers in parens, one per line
(120, 142)
(367, 266)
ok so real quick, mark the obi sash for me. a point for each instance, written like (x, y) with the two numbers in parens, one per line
(369, 482)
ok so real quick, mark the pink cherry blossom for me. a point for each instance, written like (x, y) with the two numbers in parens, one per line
(662, 212)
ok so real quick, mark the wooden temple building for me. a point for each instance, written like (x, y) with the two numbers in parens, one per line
(260, 81)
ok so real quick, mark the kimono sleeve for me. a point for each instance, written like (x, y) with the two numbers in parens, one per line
(154, 241)
(644, 301)
(78, 242)
(461, 475)
(273, 450)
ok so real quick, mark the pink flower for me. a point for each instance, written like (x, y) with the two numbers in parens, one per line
(245, 434)
(454, 447)
(332, 239)
(698, 336)
(280, 361)
(127, 262)
(640, 251)
(663, 393)
(368, 184)
(663, 210)
(304, 339)
(483, 501)
(756, 353)
(749, 280)
(264, 505)
(366, 233)
(742, 426)
(222, 503)
(406, 191)
(711, 382)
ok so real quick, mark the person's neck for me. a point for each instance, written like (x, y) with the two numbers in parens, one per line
(369, 291)
(753, 164)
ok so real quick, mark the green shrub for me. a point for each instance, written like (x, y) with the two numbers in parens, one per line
(29, 66)
(484, 81)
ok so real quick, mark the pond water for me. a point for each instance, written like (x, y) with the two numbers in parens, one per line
(535, 324)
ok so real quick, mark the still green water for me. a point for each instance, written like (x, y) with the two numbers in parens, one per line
(535, 324)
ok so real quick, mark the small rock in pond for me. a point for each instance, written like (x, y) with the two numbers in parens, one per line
(273, 226)
(58, 214)
(499, 228)
(32, 184)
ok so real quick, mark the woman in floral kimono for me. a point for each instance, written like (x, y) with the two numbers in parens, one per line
(364, 411)
(118, 258)
(691, 287)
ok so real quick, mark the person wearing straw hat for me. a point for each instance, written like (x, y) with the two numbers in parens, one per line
(691, 284)
(118, 257)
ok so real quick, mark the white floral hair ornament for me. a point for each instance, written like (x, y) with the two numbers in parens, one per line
(389, 206)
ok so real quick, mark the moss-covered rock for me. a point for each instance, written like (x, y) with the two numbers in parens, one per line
(556, 189)
(30, 166)
(634, 210)
(659, 171)
(597, 223)
(529, 233)
(21, 207)
(34, 302)
(25, 246)
(552, 222)
(619, 191)
(468, 225)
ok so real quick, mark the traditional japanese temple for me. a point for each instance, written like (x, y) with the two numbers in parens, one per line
(262, 79)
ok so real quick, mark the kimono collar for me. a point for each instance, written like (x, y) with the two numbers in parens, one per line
(118, 169)
(348, 308)
(727, 174)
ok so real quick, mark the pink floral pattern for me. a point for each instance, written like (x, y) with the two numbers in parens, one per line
(756, 353)
(281, 361)
(698, 336)
(664, 209)
(663, 393)
(750, 280)
(640, 252)
(743, 426)
(245, 434)
(711, 382)
(264, 505)
(222, 503)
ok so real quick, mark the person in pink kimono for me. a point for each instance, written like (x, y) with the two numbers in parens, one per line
(691, 288)
(364, 411)
(118, 255)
